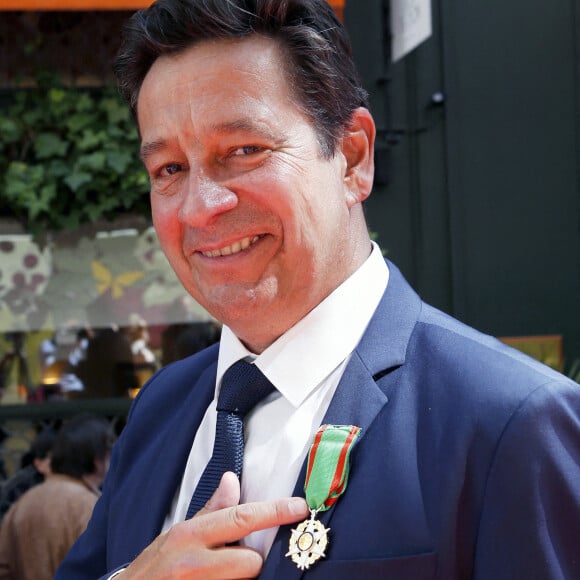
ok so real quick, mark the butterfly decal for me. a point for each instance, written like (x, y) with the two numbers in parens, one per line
(117, 284)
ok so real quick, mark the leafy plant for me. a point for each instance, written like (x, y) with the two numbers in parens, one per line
(574, 370)
(68, 156)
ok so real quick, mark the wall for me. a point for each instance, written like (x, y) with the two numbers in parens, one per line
(482, 208)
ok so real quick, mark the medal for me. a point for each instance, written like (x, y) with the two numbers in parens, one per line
(308, 542)
(326, 480)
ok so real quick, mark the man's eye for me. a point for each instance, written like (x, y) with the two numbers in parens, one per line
(171, 169)
(247, 150)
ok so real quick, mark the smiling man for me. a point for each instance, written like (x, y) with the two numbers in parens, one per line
(259, 226)
(423, 448)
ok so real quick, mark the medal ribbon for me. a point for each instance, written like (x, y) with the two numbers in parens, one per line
(328, 465)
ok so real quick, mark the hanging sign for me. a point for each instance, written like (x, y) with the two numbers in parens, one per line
(410, 25)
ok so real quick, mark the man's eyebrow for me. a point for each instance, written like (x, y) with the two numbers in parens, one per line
(149, 149)
(243, 125)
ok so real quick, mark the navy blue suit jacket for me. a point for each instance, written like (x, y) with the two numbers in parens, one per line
(468, 465)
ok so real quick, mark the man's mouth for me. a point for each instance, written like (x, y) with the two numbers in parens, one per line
(234, 248)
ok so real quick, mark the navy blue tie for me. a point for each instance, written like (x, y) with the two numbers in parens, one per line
(243, 387)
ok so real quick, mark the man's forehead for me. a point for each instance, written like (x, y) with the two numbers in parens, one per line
(216, 68)
(249, 52)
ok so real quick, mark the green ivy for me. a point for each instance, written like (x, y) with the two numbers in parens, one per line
(68, 157)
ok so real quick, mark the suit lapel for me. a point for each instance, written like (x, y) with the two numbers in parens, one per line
(350, 407)
(358, 398)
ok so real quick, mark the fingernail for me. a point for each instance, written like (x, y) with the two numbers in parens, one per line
(296, 506)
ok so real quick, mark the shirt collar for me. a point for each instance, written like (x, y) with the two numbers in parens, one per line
(298, 361)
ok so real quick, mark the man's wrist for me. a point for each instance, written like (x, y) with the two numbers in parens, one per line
(116, 574)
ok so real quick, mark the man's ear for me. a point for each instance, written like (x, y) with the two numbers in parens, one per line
(358, 150)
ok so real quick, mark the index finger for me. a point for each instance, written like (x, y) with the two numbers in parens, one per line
(232, 524)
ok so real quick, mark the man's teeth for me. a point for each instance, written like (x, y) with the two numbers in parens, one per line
(235, 248)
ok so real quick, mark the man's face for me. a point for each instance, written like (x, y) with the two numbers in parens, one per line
(256, 224)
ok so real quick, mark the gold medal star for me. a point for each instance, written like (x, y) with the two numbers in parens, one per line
(308, 543)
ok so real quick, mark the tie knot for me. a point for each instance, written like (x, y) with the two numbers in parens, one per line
(243, 387)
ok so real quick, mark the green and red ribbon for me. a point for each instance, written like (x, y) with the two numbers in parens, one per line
(328, 465)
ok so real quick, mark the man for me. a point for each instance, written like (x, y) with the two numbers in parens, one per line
(258, 143)
(33, 471)
(44, 522)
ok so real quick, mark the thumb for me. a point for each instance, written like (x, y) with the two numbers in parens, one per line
(226, 495)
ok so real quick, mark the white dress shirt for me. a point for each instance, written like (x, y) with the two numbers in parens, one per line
(305, 365)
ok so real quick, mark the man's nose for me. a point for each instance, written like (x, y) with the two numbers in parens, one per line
(204, 200)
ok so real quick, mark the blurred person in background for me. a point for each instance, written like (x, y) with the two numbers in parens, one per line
(183, 340)
(5, 366)
(138, 335)
(108, 369)
(41, 526)
(35, 466)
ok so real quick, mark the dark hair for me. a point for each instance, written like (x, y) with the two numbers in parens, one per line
(43, 443)
(40, 447)
(79, 443)
(319, 63)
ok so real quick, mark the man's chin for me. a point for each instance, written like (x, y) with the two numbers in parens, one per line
(230, 303)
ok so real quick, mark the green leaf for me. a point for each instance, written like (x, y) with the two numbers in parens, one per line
(48, 145)
(33, 118)
(10, 132)
(93, 161)
(119, 161)
(42, 201)
(56, 169)
(56, 95)
(78, 121)
(89, 140)
(21, 181)
(77, 179)
(116, 111)
(93, 212)
(84, 103)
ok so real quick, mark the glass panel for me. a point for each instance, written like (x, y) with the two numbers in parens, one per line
(92, 313)
(79, 363)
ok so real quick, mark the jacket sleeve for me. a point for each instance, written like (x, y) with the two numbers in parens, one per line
(530, 522)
